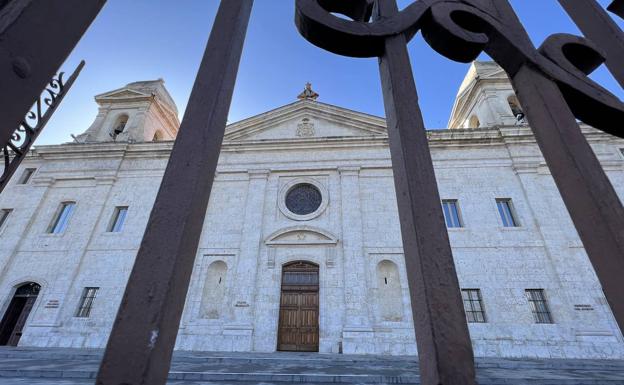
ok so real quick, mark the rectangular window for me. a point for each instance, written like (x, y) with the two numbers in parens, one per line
(505, 209)
(86, 302)
(473, 305)
(118, 219)
(451, 213)
(28, 173)
(62, 218)
(4, 215)
(539, 307)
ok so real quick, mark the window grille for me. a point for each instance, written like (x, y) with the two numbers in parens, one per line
(303, 199)
(451, 213)
(118, 219)
(86, 302)
(473, 305)
(62, 218)
(505, 209)
(539, 307)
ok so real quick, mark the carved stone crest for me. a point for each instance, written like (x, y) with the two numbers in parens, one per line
(305, 128)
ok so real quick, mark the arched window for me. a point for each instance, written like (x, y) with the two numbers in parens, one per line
(390, 295)
(516, 109)
(119, 126)
(214, 290)
(473, 122)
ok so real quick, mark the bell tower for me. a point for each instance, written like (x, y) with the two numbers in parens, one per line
(139, 112)
(485, 99)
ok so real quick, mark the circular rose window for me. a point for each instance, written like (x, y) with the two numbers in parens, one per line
(303, 199)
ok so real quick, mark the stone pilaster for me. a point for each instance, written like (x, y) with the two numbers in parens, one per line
(357, 332)
(249, 254)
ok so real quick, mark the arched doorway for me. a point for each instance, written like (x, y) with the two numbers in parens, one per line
(17, 313)
(299, 308)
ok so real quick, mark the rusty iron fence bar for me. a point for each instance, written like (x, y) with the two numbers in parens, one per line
(35, 39)
(550, 107)
(598, 26)
(442, 337)
(141, 343)
(553, 89)
(443, 341)
(591, 200)
(27, 132)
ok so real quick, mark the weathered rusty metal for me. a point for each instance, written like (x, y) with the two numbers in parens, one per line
(27, 132)
(35, 39)
(444, 346)
(439, 20)
(443, 340)
(141, 343)
(598, 26)
(553, 87)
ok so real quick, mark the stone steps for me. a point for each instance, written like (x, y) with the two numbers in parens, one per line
(278, 357)
(79, 367)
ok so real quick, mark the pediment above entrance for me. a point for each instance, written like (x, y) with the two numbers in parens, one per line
(301, 235)
(303, 120)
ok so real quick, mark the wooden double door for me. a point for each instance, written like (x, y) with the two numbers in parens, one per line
(14, 319)
(299, 308)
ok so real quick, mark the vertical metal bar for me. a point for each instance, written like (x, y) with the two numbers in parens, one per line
(141, 343)
(592, 202)
(444, 346)
(35, 38)
(598, 26)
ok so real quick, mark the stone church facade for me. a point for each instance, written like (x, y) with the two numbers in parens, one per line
(301, 246)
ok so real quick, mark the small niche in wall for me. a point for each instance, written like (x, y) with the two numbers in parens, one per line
(214, 291)
(389, 293)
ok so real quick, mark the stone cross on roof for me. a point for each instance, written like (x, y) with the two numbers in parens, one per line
(308, 93)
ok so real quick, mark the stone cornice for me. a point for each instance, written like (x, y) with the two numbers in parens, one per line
(503, 135)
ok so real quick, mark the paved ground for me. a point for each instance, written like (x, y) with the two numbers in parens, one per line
(21, 366)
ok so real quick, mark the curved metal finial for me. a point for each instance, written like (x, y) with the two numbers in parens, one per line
(461, 30)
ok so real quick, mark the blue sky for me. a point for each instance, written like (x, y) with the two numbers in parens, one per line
(135, 40)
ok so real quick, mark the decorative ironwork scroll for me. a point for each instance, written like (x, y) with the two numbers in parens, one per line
(35, 39)
(597, 25)
(461, 30)
(24, 136)
(553, 87)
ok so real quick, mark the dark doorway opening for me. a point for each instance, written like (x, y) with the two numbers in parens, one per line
(17, 313)
(299, 308)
